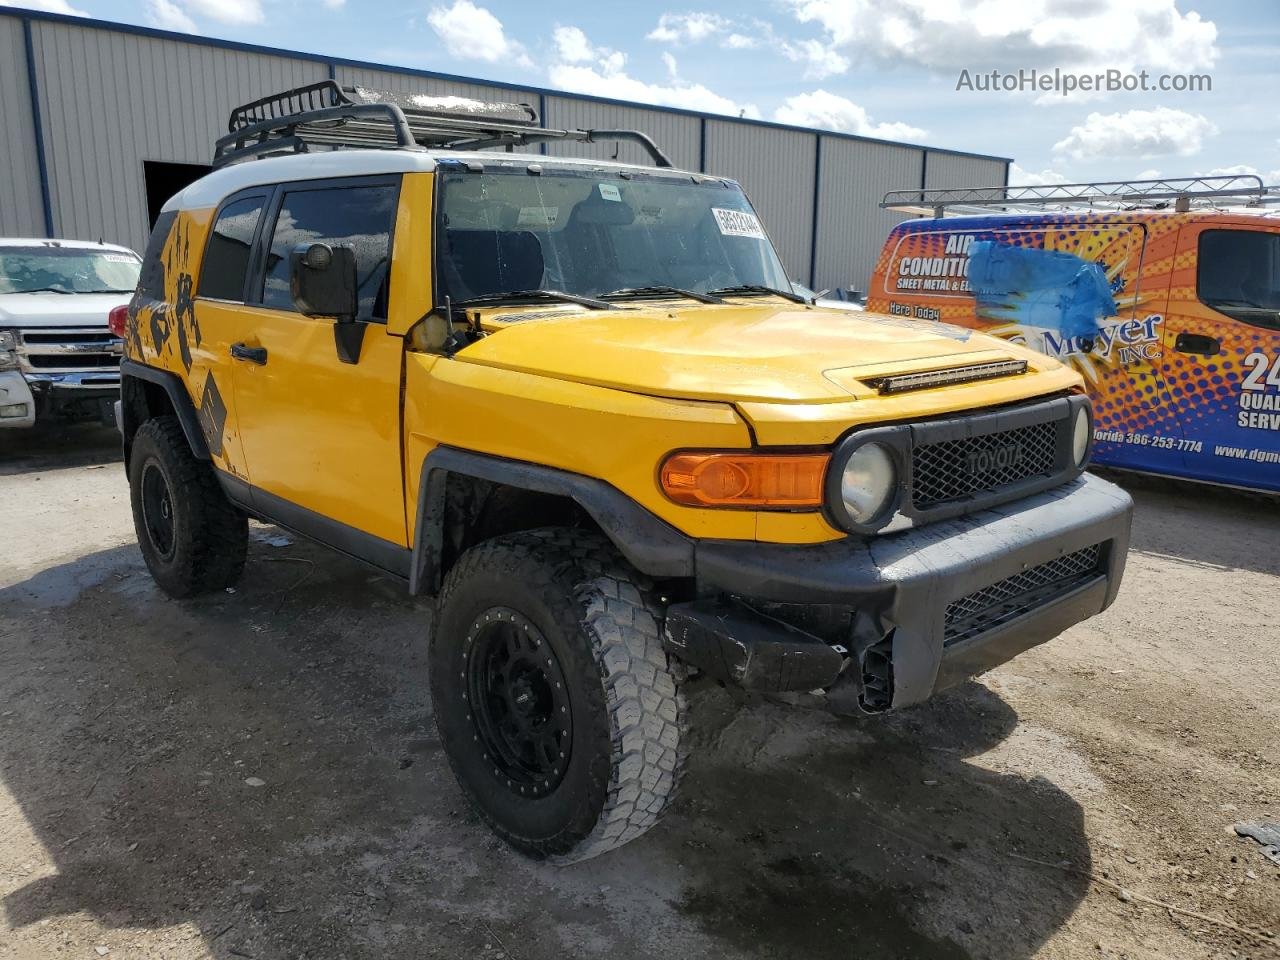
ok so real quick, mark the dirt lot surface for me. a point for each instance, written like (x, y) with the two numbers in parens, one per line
(256, 774)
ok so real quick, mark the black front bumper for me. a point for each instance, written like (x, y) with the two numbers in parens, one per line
(891, 619)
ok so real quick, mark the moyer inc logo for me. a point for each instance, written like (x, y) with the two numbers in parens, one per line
(1004, 457)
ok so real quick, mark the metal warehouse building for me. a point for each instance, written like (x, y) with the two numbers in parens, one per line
(100, 123)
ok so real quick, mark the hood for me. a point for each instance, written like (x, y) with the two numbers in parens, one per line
(763, 352)
(58, 309)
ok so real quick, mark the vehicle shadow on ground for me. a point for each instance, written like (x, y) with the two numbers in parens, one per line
(1241, 523)
(54, 446)
(259, 769)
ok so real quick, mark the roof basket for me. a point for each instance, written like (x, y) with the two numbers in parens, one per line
(328, 116)
(1179, 194)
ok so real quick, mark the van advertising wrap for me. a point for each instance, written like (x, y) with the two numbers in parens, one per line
(1174, 328)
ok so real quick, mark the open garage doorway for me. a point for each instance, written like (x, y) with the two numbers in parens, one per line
(164, 179)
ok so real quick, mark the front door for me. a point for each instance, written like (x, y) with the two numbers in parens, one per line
(321, 437)
(1222, 350)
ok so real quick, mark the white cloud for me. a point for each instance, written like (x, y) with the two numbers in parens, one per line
(583, 67)
(688, 27)
(833, 112)
(572, 45)
(1018, 177)
(1136, 133)
(48, 6)
(740, 41)
(1269, 177)
(236, 12)
(473, 32)
(169, 16)
(820, 59)
(335, 4)
(1149, 174)
(1007, 34)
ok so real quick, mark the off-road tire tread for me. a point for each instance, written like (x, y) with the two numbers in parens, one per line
(219, 532)
(638, 684)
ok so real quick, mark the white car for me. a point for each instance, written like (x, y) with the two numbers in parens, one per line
(58, 359)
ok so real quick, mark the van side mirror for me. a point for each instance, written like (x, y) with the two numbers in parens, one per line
(322, 280)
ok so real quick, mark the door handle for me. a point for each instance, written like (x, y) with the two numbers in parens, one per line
(1198, 343)
(256, 355)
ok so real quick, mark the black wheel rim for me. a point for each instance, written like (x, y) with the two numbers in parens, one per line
(517, 701)
(157, 510)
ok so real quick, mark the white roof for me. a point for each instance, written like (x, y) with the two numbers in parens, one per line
(65, 244)
(209, 190)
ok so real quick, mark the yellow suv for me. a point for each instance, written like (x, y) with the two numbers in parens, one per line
(579, 404)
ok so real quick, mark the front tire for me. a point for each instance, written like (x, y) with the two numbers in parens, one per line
(192, 539)
(558, 708)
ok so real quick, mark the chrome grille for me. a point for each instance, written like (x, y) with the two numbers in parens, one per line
(951, 470)
(68, 350)
(1001, 602)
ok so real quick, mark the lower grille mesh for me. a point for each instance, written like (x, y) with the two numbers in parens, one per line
(1001, 602)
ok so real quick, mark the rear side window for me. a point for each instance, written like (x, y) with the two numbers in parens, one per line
(226, 258)
(1239, 275)
(151, 281)
(359, 216)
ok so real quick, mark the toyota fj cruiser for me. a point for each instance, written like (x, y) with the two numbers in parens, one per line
(578, 404)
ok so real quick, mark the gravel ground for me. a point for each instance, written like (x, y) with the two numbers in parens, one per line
(256, 774)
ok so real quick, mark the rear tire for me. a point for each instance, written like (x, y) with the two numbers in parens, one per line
(192, 539)
(558, 708)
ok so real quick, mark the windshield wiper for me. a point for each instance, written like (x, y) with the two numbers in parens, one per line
(46, 290)
(749, 288)
(659, 290)
(512, 295)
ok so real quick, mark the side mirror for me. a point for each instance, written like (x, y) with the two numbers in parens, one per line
(322, 280)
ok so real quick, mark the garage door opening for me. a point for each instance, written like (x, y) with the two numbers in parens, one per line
(163, 180)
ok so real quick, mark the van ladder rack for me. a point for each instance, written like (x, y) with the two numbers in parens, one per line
(332, 117)
(1117, 195)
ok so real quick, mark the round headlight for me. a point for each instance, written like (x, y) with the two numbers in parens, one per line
(868, 482)
(1080, 436)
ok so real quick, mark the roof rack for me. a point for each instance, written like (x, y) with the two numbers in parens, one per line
(328, 116)
(1180, 194)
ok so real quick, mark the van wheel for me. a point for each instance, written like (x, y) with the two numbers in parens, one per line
(193, 540)
(557, 706)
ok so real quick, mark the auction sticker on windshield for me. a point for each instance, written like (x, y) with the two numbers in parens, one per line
(738, 223)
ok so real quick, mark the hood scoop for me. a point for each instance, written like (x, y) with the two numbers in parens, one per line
(927, 379)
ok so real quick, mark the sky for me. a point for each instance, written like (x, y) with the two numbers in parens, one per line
(913, 70)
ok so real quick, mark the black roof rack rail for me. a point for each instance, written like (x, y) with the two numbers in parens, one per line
(329, 116)
(1180, 193)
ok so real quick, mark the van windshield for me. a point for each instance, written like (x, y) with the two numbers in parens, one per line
(591, 233)
(44, 269)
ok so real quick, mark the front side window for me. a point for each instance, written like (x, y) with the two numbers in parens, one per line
(226, 259)
(592, 233)
(360, 217)
(1239, 275)
(49, 269)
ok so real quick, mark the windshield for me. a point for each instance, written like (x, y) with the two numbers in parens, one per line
(67, 270)
(591, 233)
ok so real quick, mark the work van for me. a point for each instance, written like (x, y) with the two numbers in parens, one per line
(1164, 295)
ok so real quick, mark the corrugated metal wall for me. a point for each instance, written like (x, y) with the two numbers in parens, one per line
(851, 225)
(951, 170)
(21, 209)
(110, 100)
(678, 135)
(775, 168)
(112, 97)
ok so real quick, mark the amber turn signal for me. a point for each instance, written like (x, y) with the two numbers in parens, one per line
(783, 481)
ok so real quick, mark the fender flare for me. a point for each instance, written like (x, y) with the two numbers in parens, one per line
(182, 403)
(648, 542)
